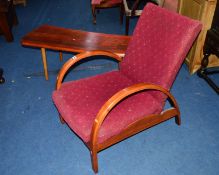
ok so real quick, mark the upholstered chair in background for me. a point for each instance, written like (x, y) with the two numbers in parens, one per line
(171, 5)
(101, 4)
(107, 108)
(133, 8)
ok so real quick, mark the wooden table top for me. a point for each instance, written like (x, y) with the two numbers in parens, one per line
(63, 39)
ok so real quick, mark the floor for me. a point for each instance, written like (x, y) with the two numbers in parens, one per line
(33, 141)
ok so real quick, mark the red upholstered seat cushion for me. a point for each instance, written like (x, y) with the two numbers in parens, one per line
(79, 102)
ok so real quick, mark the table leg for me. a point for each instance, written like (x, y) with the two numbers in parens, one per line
(43, 51)
(60, 56)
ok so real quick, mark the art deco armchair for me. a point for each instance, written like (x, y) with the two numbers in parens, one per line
(107, 108)
(101, 4)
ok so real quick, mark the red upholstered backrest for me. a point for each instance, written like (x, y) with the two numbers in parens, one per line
(160, 42)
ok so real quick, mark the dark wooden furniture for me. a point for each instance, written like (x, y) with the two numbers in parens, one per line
(2, 80)
(211, 47)
(202, 10)
(105, 4)
(8, 18)
(76, 41)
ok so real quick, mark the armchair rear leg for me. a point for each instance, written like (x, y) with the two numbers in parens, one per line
(178, 120)
(61, 119)
(94, 161)
(60, 56)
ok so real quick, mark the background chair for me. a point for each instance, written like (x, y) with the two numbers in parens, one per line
(171, 5)
(133, 8)
(107, 108)
(8, 19)
(101, 4)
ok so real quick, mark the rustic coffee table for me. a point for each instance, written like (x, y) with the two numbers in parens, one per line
(75, 41)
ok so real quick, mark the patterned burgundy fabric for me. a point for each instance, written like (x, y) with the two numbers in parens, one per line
(97, 2)
(155, 53)
(79, 102)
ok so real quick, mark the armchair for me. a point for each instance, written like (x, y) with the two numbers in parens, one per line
(107, 108)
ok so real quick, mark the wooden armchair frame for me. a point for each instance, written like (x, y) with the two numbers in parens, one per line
(133, 128)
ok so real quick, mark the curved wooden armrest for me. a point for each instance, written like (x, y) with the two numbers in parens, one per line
(79, 57)
(116, 98)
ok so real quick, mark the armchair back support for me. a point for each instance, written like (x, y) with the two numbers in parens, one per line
(107, 108)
